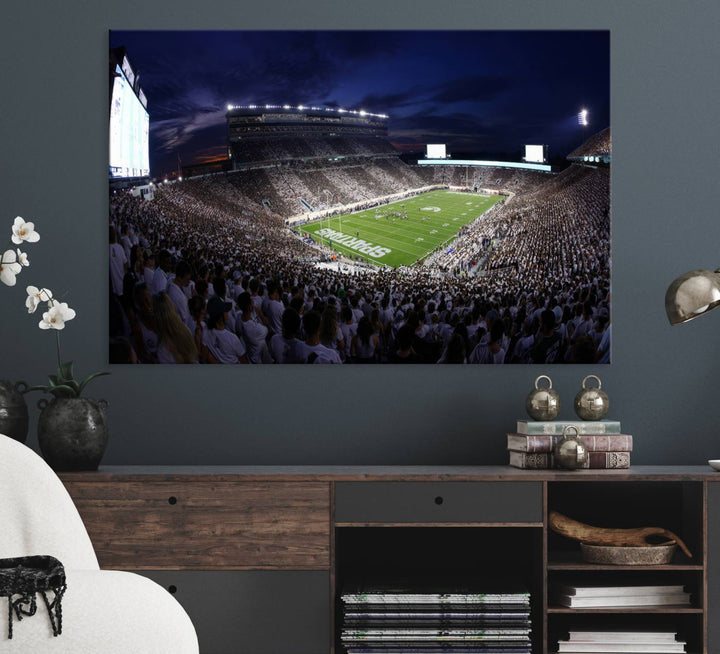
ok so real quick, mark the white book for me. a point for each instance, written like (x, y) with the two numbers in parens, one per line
(602, 591)
(632, 600)
(623, 648)
(624, 636)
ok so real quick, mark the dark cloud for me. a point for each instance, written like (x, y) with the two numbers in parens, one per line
(476, 88)
(389, 101)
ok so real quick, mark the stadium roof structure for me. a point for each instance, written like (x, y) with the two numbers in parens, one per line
(303, 108)
(597, 149)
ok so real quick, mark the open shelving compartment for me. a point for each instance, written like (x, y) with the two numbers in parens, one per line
(491, 558)
(677, 506)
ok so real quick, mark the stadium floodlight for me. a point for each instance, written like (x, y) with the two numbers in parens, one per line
(300, 107)
(583, 117)
(229, 107)
(286, 106)
(362, 112)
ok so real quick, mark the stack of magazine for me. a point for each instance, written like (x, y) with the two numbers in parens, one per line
(600, 642)
(392, 621)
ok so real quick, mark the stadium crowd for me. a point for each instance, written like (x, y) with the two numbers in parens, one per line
(293, 148)
(207, 272)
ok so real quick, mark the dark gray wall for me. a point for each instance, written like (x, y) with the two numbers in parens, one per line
(662, 382)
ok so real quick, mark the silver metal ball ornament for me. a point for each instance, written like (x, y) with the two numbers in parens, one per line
(543, 403)
(570, 452)
(591, 403)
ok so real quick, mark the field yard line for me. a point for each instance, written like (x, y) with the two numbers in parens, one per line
(413, 226)
(371, 230)
(387, 235)
(415, 253)
(386, 229)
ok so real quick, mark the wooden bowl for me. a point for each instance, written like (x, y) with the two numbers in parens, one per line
(621, 555)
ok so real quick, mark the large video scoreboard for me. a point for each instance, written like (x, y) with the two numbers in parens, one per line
(129, 124)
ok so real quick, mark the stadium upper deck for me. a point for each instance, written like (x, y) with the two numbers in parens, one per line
(249, 126)
(597, 149)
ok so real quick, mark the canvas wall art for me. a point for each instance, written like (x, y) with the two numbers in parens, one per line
(359, 197)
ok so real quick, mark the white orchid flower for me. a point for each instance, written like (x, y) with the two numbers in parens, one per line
(23, 231)
(9, 267)
(22, 258)
(56, 316)
(36, 296)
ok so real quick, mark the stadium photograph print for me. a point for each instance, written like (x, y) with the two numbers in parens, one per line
(351, 197)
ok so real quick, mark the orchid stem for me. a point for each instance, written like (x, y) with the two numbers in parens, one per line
(57, 333)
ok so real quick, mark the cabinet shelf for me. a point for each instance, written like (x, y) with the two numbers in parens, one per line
(573, 561)
(623, 568)
(625, 609)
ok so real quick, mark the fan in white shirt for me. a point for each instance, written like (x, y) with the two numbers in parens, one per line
(252, 333)
(223, 345)
(313, 351)
(272, 307)
(176, 291)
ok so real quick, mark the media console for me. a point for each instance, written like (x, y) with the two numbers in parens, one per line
(258, 556)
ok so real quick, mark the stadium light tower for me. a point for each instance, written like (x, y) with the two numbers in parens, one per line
(583, 118)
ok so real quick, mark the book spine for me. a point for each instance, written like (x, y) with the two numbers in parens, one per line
(593, 442)
(603, 461)
(596, 460)
(556, 427)
(529, 460)
(608, 460)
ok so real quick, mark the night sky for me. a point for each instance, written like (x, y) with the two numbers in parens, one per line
(486, 93)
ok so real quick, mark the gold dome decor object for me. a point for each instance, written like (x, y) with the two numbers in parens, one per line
(543, 403)
(570, 453)
(591, 403)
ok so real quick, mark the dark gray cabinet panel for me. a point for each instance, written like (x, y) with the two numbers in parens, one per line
(254, 611)
(441, 501)
(713, 567)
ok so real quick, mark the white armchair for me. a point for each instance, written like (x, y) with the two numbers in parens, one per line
(104, 612)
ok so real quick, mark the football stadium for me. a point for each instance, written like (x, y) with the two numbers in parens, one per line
(315, 241)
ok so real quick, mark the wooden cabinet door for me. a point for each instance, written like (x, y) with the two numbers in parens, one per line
(144, 524)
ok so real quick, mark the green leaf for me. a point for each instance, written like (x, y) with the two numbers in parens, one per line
(65, 371)
(44, 389)
(88, 379)
(54, 381)
(63, 391)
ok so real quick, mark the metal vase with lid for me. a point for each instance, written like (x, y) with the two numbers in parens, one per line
(591, 403)
(13, 410)
(570, 453)
(543, 403)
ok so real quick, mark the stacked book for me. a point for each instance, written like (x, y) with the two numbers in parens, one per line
(584, 597)
(531, 446)
(384, 621)
(647, 642)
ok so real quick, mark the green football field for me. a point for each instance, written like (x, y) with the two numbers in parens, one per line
(379, 236)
